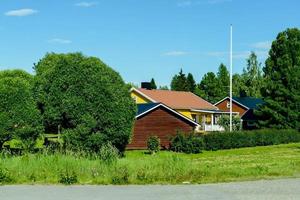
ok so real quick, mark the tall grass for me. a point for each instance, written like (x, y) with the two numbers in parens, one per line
(162, 168)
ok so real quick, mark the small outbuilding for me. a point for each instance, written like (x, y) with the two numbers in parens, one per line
(244, 106)
(159, 120)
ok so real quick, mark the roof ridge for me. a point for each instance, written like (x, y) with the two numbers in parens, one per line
(165, 90)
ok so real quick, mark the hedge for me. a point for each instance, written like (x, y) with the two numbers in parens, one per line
(238, 139)
(187, 143)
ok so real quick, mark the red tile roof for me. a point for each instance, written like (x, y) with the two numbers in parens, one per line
(178, 99)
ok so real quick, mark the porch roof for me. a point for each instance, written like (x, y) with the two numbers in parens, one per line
(213, 111)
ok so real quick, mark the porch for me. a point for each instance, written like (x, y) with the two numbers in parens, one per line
(208, 119)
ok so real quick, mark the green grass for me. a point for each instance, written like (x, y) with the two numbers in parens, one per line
(162, 168)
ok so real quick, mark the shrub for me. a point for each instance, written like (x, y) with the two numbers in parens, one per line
(153, 144)
(108, 153)
(5, 177)
(121, 176)
(86, 98)
(19, 116)
(68, 178)
(224, 121)
(52, 144)
(238, 139)
(190, 143)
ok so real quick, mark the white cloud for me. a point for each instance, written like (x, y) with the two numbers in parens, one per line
(184, 3)
(237, 54)
(262, 45)
(189, 3)
(86, 4)
(216, 53)
(21, 12)
(217, 1)
(59, 41)
(175, 53)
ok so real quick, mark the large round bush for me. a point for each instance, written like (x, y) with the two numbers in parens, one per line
(85, 100)
(19, 116)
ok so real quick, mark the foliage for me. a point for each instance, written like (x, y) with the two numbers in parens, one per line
(210, 88)
(153, 84)
(68, 178)
(132, 85)
(191, 82)
(281, 90)
(237, 82)
(223, 78)
(238, 139)
(19, 116)
(16, 73)
(5, 176)
(187, 143)
(74, 138)
(108, 153)
(121, 176)
(153, 144)
(224, 121)
(214, 87)
(179, 82)
(251, 78)
(86, 99)
(163, 87)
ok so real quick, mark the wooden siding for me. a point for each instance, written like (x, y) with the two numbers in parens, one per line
(235, 107)
(159, 122)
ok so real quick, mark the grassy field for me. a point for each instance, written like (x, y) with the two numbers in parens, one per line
(163, 168)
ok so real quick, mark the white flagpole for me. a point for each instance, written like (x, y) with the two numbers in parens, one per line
(230, 127)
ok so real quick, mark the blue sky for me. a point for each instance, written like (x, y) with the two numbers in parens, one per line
(142, 39)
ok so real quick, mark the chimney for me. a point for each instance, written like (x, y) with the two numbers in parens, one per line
(146, 85)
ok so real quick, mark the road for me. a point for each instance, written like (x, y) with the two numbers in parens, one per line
(286, 189)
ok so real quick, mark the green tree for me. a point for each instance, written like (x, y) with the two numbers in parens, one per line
(179, 82)
(214, 87)
(236, 85)
(19, 116)
(131, 85)
(191, 82)
(153, 84)
(86, 99)
(163, 87)
(209, 88)
(281, 91)
(252, 79)
(223, 77)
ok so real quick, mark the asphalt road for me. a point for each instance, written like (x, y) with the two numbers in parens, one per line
(257, 190)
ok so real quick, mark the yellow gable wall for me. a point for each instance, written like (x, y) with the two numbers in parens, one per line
(139, 98)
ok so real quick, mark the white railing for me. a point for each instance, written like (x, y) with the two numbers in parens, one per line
(215, 127)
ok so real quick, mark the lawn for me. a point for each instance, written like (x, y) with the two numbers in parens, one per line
(163, 168)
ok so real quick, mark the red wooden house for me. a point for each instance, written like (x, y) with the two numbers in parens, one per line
(159, 120)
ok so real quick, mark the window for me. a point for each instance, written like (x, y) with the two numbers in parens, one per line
(216, 119)
(228, 105)
(135, 99)
(194, 117)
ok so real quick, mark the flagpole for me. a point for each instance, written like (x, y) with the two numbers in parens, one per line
(230, 92)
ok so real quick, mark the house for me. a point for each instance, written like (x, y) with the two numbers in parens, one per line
(185, 103)
(159, 120)
(245, 106)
